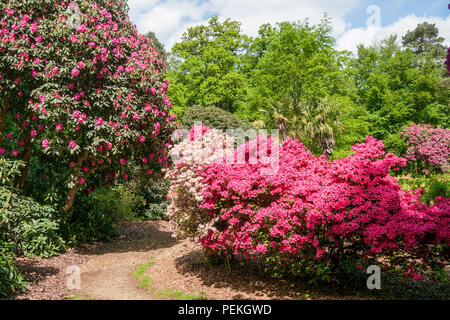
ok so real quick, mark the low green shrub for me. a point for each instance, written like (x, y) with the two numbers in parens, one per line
(93, 216)
(11, 281)
(213, 117)
(435, 185)
(28, 228)
(154, 192)
(9, 170)
(119, 202)
(86, 222)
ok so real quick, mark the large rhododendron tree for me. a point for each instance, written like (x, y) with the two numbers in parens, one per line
(312, 217)
(83, 86)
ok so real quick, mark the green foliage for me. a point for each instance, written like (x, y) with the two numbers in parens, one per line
(298, 60)
(86, 222)
(397, 89)
(154, 195)
(206, 66)
(434, 186)
(46, 182)
(95, 214)
(9, 170)
(394, 143)
(179, 295)
(314, 123)
(213, 117)
(355, 127)
(424, 39)
(119, 203)
(11, 281)
(78, 298)
(28, 228)
(385, 87)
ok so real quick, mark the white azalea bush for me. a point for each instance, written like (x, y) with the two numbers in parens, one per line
(201, 146)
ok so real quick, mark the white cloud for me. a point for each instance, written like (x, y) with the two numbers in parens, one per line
(351, 38)
(169, 19)
(254, 13)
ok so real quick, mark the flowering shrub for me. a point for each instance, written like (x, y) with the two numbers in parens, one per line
(84, 86)
(313, 217)
(186, 190)
(428, 146)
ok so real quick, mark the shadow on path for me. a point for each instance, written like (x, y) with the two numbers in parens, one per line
(137, 236)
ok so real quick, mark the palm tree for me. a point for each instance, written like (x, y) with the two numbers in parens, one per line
(278, 114)
(320, 123)
(307, 121)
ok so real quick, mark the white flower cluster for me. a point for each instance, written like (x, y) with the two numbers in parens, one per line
(186, 187)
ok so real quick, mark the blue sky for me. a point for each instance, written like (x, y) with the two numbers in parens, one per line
(352, 22)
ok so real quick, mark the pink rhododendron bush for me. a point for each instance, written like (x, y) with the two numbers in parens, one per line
(306, 216)
(82, 88)
(428, 147)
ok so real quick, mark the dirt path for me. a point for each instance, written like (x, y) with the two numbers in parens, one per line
(174, 270)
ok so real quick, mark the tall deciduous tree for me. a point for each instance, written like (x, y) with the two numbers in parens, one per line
(297, 59)
(396, 90)
(206, 65)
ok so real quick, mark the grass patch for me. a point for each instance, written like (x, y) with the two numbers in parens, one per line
(147, 283)
(140, 270)
(76, 298)
(178, 295)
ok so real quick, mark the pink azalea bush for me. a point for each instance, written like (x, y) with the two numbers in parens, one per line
(89, 94)
(312, 217)
(428, 146)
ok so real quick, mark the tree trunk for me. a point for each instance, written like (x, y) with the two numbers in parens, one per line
(70, 198)
(3, 113)
(327, 146)
(20, 181)
(283, 129)
(73, 191)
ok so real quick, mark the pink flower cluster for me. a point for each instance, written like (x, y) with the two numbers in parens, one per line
(317, 211)
(429, 145)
